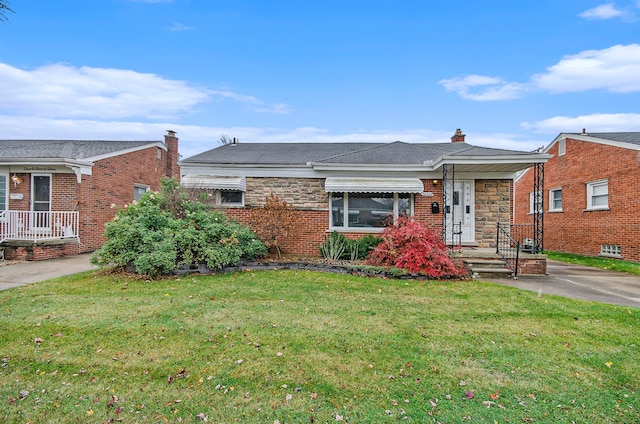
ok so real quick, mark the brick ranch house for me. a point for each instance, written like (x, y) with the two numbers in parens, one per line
(590, 195)
(56, 195)
(461, 190)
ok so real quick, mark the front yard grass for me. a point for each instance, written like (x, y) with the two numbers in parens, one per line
(597, 262)
(300, 347)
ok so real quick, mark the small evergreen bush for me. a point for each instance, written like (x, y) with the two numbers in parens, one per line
(164, 231)
(415, 247)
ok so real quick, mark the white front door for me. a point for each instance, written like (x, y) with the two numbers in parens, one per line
(460, 212)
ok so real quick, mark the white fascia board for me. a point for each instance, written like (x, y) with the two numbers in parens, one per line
(589, 139)
(249, 171)
(159, 144)
(370, 167)
(84, 165)
(488, 160)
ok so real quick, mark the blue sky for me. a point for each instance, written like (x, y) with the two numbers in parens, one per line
(510, 74)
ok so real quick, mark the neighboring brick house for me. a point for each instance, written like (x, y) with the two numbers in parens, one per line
(356, 188)
(590, 200)
(56, 195)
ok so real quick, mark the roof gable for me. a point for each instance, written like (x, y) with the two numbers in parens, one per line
(67, 149)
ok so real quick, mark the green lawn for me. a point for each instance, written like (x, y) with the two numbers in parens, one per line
(597, 262)
(300, 347)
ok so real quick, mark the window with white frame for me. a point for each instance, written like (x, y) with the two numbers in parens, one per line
(555, 200)
(535, 202)
(562, 147)
(610, 250)
(139, 190)
(4, 191)
(368, 210)
(598, 195)
(231, 198)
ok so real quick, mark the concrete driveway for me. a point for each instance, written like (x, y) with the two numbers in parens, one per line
(22, 273)
(581, 282)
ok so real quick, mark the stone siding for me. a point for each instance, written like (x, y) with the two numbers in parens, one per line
(302, 193)
(493, 205)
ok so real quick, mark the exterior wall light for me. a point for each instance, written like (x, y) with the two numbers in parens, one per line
(16, 180)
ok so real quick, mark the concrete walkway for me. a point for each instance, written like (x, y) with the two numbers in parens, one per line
(22, 273)
(581, 282)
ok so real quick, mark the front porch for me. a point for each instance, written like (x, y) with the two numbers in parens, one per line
(34, 235)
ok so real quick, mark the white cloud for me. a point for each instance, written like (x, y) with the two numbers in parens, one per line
(616, 69)
(177, 26)
(599, 122)
(492, 88)
(604, 11)
(63, 91)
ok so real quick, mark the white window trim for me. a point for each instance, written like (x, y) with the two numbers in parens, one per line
(345, 207)
(6, 188)
(143, 186)
(532, 203)
(562, 147)
(551, 199)
(229, 204)
(590, 186)
(6, 194)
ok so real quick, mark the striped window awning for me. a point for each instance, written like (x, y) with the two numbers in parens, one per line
(373, 185)
(217, 182)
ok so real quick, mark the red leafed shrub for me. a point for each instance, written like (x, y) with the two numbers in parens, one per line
(415, 247)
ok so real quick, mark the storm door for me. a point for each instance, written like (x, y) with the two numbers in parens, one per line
(460, 213)
(40, 201)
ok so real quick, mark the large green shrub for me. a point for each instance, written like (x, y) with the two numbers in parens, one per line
(164, 231)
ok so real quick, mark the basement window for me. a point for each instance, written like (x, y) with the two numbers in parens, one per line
(611, 250)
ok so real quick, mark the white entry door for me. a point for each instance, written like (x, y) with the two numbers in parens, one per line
(461, 212)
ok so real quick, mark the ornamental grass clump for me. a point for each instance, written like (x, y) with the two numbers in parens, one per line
(167, 230)
(417, 248)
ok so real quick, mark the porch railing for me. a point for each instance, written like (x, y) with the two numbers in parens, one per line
(508, 249)
(38, 226)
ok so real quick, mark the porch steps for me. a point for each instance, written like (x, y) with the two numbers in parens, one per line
(488, 268)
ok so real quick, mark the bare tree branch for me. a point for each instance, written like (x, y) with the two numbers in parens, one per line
(4, 8)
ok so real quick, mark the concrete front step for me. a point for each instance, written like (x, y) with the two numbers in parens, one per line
(488, 268)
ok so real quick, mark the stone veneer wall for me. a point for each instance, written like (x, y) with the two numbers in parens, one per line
(303, 193)
(493, 205)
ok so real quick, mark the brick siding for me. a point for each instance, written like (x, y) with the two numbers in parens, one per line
(308, 196)
(576, 230)
(111, 183)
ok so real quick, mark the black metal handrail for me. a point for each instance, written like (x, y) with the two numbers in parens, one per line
(508, 249)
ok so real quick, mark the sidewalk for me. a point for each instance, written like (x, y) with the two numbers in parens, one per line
(23, 273)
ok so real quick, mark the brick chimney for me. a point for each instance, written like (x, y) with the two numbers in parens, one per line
(458, 137)
(173, 170)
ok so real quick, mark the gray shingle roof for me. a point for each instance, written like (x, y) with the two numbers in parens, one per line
(63, 149)
(344, 153)
(623, 137)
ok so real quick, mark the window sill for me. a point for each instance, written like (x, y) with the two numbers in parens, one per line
(596, 209)
(555, 211)
(355, 230)
(602, 255)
